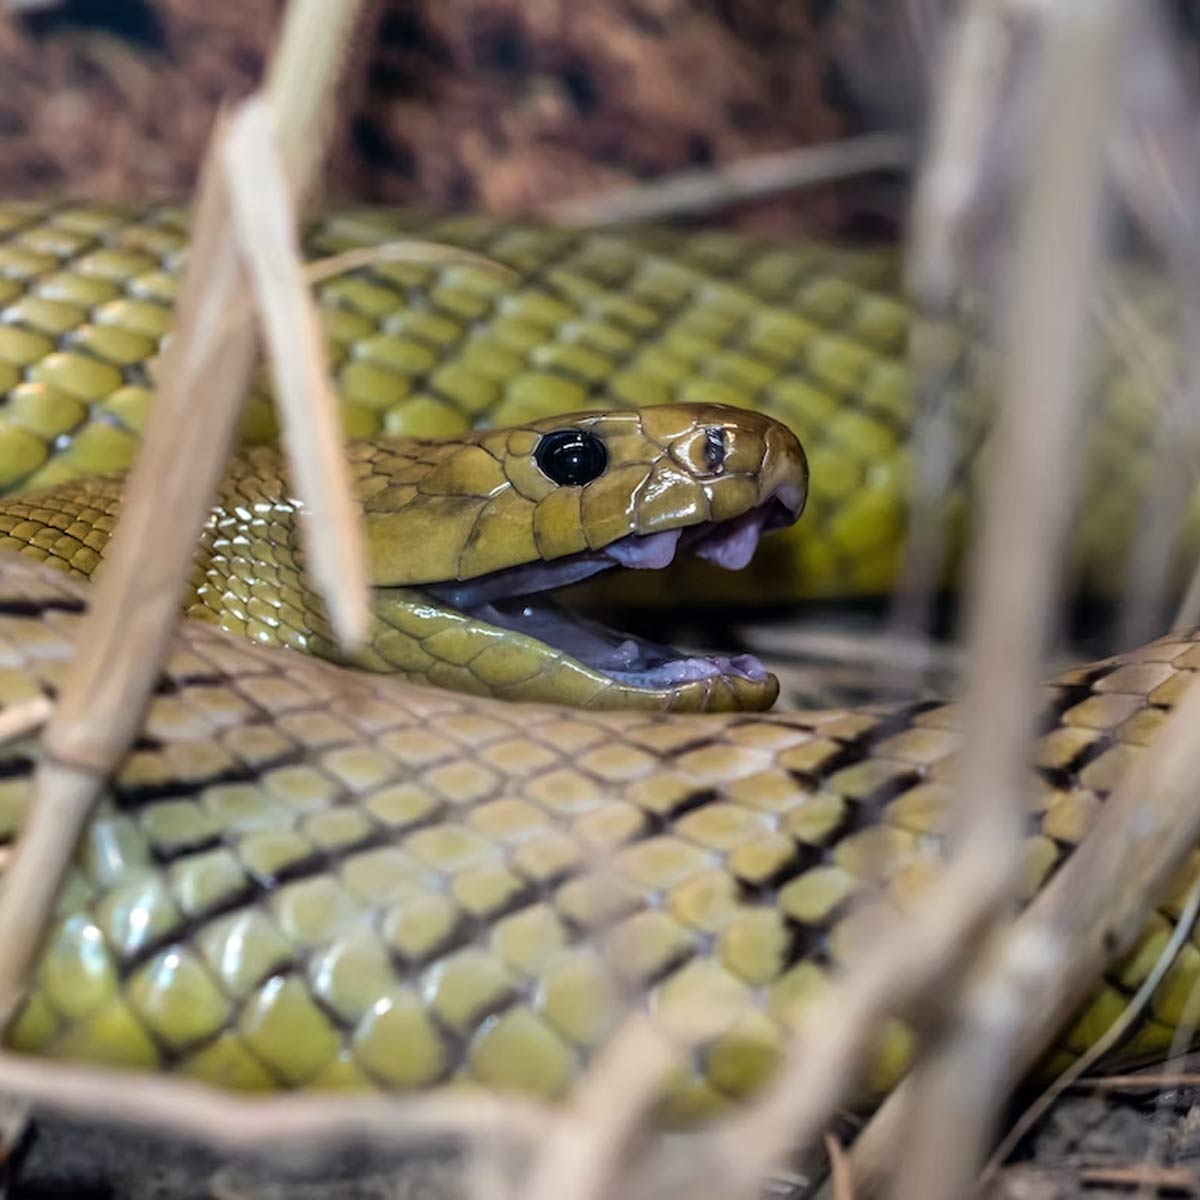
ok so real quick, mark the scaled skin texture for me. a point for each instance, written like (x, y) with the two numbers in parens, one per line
(812, 334)
(309, 877)
(443, 512)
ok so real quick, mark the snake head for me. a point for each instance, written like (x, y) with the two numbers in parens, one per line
(483, 529)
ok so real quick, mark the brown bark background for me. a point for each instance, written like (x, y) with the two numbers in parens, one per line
(495, 105)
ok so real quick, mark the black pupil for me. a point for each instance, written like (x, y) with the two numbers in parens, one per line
(571, 457)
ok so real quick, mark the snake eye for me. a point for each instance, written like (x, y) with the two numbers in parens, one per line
(571, 457)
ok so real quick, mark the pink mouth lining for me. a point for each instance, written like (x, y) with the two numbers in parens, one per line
(517, 598)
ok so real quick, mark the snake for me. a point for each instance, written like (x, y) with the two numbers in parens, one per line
(310, 875)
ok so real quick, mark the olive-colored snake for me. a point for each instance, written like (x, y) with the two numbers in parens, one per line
(309, 876)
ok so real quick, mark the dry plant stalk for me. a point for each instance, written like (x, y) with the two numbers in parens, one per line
(947, 186)
(1015, 577)
(1158, 174)
(946, 194)
(403, 250)
(136, 600)
(692, 193)
(296, 1125)
(1188, 614)
(266, 225)
(1079, 922)
(25, 718)
(1140, 1081)
(1110, 1038)
(586, 1155)
(861, 648)
(840, 1178)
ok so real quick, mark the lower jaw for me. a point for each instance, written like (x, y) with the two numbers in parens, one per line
(415, 636)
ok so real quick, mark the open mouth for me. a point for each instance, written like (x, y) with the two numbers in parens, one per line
(519, 598)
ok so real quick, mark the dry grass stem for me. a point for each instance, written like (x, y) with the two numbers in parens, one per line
(1140, 1081)
(587, 1156)
(304, 71)
(861, 648)
(915, 960)
(265, 221)
(840, 1178)
(935, 357)
(1188, 614)
(403, 250)
(692, 193)
(22, 719)
(1110, 1038)
(135, 603)
(14, 1124)
(1173, 1179)
(947, 186)
(945, 197)
(1015, 570)
(1079, 922)
(309, 1127)
(135, 599)
(1081, 1179)
(1158, 173)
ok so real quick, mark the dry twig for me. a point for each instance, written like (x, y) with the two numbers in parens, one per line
(136, 600)
(1181, 1179)
(308, 1127)
(860, 648)
(1079, 922)
(841, 1180)
(588, 1153)
(946, 194)
(25, 718)
(693, 193)
(1140, 1081)
(1158, 173)
(1017, 565)
(1014, 585)
(1110, 1038)
(403, 250)
(265, 221)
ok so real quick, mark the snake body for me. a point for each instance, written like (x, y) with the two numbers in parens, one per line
(812, 334)
(306, 876)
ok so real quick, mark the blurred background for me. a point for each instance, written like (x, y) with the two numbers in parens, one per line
(502, 106)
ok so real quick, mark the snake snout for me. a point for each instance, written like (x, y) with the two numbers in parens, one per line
(782, 478)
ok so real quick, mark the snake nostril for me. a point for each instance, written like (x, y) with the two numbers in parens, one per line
(714, 448)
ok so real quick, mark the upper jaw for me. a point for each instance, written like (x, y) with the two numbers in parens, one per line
(514, 599)
(730, 544)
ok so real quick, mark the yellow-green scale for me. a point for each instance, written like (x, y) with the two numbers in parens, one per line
(812, 334)
(309, 877)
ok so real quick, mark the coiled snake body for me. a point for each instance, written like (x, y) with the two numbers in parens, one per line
(306, 876)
